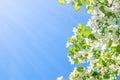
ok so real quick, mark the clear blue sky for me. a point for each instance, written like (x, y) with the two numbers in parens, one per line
(33, 35)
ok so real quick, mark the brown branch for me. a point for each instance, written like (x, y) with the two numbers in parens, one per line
(111, 3)
(112, 54)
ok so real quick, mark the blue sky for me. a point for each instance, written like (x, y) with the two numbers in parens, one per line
(33, 37)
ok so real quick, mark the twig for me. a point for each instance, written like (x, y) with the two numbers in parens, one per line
(106, 4)
(111, 3)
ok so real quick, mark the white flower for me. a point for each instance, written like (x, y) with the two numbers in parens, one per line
(68, 1)
(70, 60)
(89, 23)
(60, 78)
(100, 23)
(74, 30)
(68, 44)
(110, 1)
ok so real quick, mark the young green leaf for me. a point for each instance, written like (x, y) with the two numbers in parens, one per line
(61, 1)
(77, 7)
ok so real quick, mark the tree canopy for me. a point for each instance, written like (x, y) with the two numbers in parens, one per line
(97, 42)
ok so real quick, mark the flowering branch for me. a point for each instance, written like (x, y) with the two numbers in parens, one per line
(98, 43)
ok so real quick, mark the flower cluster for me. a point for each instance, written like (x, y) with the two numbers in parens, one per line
(98, 42)
(60, 78)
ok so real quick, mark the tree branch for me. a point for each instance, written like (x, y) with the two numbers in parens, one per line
(106, 4)
(111, 3)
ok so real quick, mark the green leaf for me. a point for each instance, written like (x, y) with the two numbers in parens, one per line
(92, 37)
(81, 27)
(106, 1)
(89, 9)
(111, 61)
(95, 74)
(87, 32)
(118, 71)
(111, 31)
(118, 49)
(81, 57)
(106, 55)
(71, 40)
(84, 44)
(77, 44)
(106, 76)
(79, 35)
(90, 1)
(76, 61)
(103, 29)
(106, 25)
(109, 43)
(73, 3)
(61, 1)
(102, 8)
(71, 52)
(77, 7)
(118, 32)
(86, 55)
(113, 49)
(102, 62)
(83, 1)
(80, 69)
(71, 77)
(96, 53)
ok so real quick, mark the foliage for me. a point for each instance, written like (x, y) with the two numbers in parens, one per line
(98, 42)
